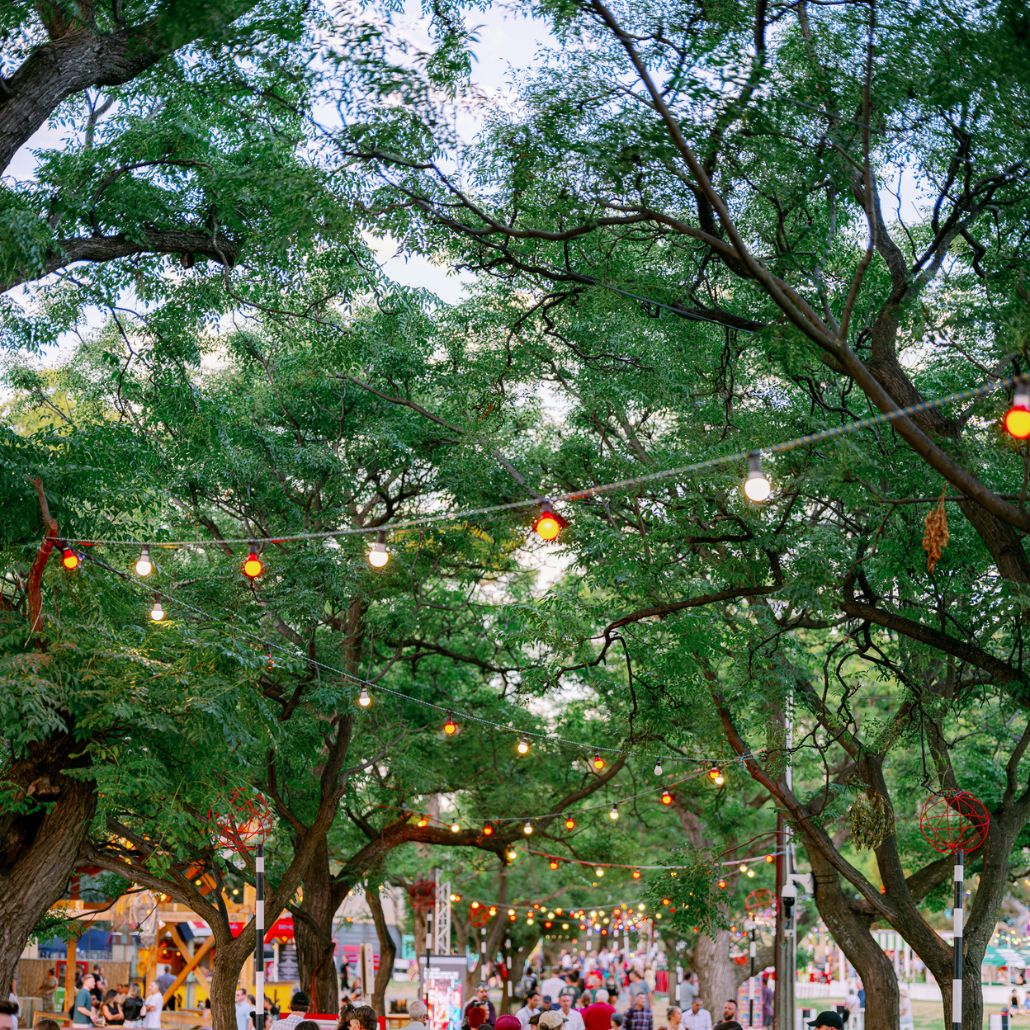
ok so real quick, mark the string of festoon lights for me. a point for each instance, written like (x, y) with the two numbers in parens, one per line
(548, 523)
(454, 720)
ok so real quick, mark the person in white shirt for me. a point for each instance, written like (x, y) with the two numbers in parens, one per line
(697, 1018)
(152, 1006)
(299, 1005)
(525, 1014)
(573, 1020)
(242, 1009)
(553, 985)
(418, 1012)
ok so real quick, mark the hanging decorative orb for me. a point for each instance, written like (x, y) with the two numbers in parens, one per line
(760, 900)
(954, 820)
(241, 821)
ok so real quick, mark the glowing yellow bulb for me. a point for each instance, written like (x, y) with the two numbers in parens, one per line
(378, 555)
(450, 727)
(69, 559)
(523, 746)
(527, 829)
(455, 828)
(548, 524)
(598, 763)
(1017, 418)
(365, 698)
(252, 567)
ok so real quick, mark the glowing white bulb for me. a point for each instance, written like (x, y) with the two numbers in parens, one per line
(528, 828)
(522, 747)
(455, 828)
(378, 555)
(157, 612)
(658, 767)
(614, 813)
(364, 698)
(757, 487)
(144, 566)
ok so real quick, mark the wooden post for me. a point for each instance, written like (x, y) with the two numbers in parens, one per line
(69, 972)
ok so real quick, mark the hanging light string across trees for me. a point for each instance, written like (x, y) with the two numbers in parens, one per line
(549, 524)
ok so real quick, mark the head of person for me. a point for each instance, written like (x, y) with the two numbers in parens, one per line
(362, 1018)
(49, 972)
(346, 1011)
(89, 982)
(641, 1001)
(729, 1011)
(48, 1024)
(241, 996)
(695, 1006)
(8, 1014)
(565, 1003)
(727, 1024)
(306, 1024)
(830, 1020)
(300, 1002)
(601, 996)
(110, 995)
(482, 990)
(477, 1015)
(634, 976)
(168, 969)
(551, 1020)
(673, 1015)
(534, 1000)
(418, 1011)
(618, 1018)
(135, 992)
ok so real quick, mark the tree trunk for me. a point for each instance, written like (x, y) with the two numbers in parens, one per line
(314, 933)
(41, 842)
(715, 970)
(851, 930)
(387, 950)
(226, 967)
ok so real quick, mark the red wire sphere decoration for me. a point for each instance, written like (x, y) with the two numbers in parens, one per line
(761, 900)
(241, 821)
(954, 820)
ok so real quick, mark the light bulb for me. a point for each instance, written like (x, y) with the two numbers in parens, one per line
(636, 874)
(666, 798)
(69, 559)
(422, 821)
(722, 885)
(364, 698)
(548, 523)
(743, 867)
(613, 813)
(553, 863)
(488, 830)
(252, 567)
(144, 566)
(1017, 418)
(751, 874)
(527, 828)
(511, 854)
(757, 487)
(598, 762)
(570, 823)
(599, 872)
(716, 776)
(455, 828)
(523, 746)
(157, 612)
(658, 767)
(450, 727)
(378, 555)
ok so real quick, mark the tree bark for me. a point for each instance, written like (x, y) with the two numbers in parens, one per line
(314, 933)
(40, 846)
(387, 950)
(715, 970)
(226, 967)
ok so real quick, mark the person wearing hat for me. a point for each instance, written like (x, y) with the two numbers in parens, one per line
(828, 1019)
(551, 1020)
(507, 1022)
(483, 998)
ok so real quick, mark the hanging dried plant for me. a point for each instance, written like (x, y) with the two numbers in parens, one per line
(935, 538)
(870, 820)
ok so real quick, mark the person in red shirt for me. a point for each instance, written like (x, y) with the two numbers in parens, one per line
(598, 1016)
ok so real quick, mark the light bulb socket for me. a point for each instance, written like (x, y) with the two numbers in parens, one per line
(1021, 397)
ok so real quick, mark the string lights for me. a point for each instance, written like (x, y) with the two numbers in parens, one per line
(157, 612)
(144, 566)
(253, 567)
(450, 727)
(613, 813)
(715, 774)
(598, 762)
(658, 771)
(757, 487)
(523, 746)
(69, 559)
(666, 798)
(378, 555)
(1017, 418)
(365, 698)
(548, 523)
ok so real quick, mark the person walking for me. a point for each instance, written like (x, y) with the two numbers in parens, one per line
(598, 1016)
(525, 1014)
(572, 1020)
(299, 1005)
(698, 1018)
(639, 1016)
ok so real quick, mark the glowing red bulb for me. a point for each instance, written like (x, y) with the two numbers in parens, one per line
(69, 559)
(666, 798)
(488, 830)
(570, 823)
(636, 874)
(598, 763)
(553, 863)
(450, 727)
(548, 524)
(252, 567)
(1017, 418)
